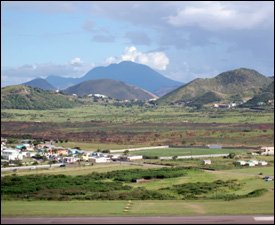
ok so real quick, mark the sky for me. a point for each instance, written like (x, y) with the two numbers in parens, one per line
(181, 40)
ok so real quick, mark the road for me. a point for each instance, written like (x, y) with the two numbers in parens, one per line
(244, 219)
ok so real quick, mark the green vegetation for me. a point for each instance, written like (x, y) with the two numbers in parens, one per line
(242, 82)
(25, 97)
(92, 186)
(263, 205)
(123, 185)
(183, 151)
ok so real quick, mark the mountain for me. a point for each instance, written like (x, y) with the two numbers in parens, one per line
(25, 97)
(235, 84)
(62, 82)
(112, 88)
(40, 83)
(128, 72)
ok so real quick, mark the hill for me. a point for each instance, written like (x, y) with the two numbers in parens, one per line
(263, 97)
(241, 83)
(128, 72)
(40, 83)
(111, 88)
(25, 97)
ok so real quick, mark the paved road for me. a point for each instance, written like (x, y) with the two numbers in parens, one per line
(143, 220)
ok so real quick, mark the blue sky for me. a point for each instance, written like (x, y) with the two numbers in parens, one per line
(181, 40)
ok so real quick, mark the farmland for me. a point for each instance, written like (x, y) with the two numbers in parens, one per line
(99, 126)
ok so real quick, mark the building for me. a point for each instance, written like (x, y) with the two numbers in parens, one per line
(11, 154)
(267, 150)
(263, 163)
(134, 157)
(99, 160)
(241, 162)
(207, 162)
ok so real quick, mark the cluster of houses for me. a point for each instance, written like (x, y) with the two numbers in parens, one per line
(251, 162)
(225, 106)
(50, 152)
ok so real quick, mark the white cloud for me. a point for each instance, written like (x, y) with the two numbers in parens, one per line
(222, 15)
(156, 60)
(76, 62)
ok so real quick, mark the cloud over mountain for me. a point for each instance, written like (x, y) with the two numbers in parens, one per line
(157, 60)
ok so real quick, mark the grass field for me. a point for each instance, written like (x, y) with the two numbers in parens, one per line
(74, 171)
(184, 151)
(136, 114)
(261, 205)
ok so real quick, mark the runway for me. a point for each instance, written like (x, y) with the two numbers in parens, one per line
(240, 219)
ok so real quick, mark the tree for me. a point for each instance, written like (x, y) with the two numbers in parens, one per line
(232, 155)
(126, 152)
(174, 157)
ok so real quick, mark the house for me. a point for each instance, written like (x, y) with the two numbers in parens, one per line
(27, 147)
(263, 163)
(253, 161)
(70, 159)
(74, 151)
(267, 150)
(241, 162)
(58, 151)
(11, 154)
(28, 154)
(99, 159)
(249, 163)
(207, 162)
(115, 157)
(134, 157)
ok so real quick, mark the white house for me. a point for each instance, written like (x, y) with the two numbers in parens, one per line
(99, 159)
(134, 157)
(241, 162)
(254, 161)
(12, 154)
(263, 163)
(207, 162)
(249, 163)
(267, 150)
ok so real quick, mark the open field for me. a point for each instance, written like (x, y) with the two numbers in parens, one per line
(137, 114)
(184, 151)
(110, 127)
(76, 170)
(260, 205)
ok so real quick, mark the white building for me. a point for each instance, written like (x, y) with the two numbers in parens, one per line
(241, 162)
(207, 162)
(134, 157)
(12, 154)
(267, 150)
(99, 160)
(263, 163)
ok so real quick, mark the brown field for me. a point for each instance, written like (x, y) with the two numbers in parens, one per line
(146, 133)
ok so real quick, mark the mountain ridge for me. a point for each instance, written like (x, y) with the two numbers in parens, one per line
(128, 72)
(111, 88)
(243, 82)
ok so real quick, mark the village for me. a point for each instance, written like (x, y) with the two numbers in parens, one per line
(32, 154)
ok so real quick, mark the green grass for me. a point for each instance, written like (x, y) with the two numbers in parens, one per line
(95, 146)
(184, 151)
(97, 112)
(259, 205)
(74, 171)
